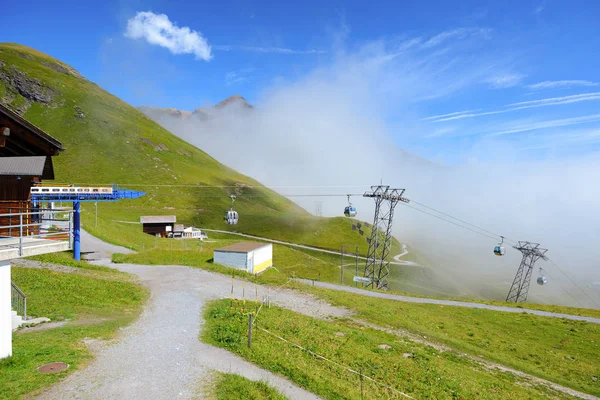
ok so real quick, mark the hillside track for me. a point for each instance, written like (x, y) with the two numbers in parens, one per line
(302, 246)
(452, 303)
(160, 356)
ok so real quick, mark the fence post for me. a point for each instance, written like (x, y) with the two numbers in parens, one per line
(361, 384)
(70, 230)
(20, 234)
(342, 269)
(356, 283)
(250, 329)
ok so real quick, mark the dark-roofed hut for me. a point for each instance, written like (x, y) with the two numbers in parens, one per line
(158, 225)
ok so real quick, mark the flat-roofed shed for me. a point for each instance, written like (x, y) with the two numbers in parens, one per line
(252, 257)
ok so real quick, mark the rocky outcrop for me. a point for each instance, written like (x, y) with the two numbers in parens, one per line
(32, 90)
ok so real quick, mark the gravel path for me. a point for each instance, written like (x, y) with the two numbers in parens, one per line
(160, 355)
(93, 248)
(409, 299)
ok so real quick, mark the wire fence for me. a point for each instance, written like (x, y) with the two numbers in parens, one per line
(252, 309)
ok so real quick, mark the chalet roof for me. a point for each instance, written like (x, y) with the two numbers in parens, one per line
(24, 138)
(242, 247)
(27, 166)
(158, 219)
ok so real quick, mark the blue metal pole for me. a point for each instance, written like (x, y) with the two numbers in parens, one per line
(77, 230)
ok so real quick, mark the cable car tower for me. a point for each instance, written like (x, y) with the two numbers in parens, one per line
(377, 266)
(520, 286)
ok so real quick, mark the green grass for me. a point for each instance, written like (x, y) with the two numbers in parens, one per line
(98, 306)
(427, 373)
(66, 258)
(18, 374)
(560, 350)
(59, 295)
(235, 387)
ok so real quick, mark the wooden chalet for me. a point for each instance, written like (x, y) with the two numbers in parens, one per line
(25, 159)
(158, 225)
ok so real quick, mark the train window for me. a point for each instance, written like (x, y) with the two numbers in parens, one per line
(79, 189)
(45, 190)
(71, 190)
(56, 190)
(35, 190)
(86, 190)
(65, 190)
(95, 190)
(104, 190)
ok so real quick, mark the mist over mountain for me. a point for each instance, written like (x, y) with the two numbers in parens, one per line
(311, 139)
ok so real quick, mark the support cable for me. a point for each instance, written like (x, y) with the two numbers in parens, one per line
(575, 284)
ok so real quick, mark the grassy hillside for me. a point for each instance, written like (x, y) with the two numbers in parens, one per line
(109, 141)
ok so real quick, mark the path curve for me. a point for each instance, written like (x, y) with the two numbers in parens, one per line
(302, 246)
(404, 252)
(454, 303)
(161, 357)
(94, 248)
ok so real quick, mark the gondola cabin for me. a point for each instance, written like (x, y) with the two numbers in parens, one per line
(231, 217)
(350, 211)
(542, 280)
(499, 250)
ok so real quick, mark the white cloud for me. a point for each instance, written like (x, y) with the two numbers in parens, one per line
(538, 10)
(460, 33)
(258, 49)
(505, 80)
(454, 114)
(551, 101)
(561, 84)
(549, 124)
(576, 98)
(158, 30)
(239, 76)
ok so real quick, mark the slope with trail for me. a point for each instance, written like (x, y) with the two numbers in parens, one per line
(109, 141)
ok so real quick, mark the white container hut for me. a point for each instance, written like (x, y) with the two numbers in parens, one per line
(252, 257)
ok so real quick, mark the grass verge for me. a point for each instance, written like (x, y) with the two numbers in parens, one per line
(97, 306)
(235, 387)
(560, 350)
(415, 369)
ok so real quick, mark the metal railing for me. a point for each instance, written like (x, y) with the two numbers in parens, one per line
(32, 225)
(18, 300)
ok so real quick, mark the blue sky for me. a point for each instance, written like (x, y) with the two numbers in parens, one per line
(450, 81)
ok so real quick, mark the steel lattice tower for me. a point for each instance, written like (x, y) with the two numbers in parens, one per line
(520, 287)
(380, 243)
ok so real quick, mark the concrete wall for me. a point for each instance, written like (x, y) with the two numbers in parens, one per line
(233, 260)
(5, 311)
(263, 258)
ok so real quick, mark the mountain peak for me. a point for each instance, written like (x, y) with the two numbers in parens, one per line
(236, 98)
